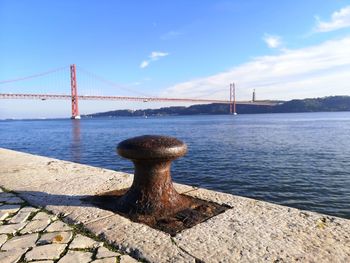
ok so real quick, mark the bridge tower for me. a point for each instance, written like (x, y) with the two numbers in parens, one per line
(73, 84)
(233, 99)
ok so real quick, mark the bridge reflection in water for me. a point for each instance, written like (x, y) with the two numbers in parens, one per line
(76, 147)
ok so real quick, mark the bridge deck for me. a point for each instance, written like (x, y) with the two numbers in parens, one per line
(126, 98)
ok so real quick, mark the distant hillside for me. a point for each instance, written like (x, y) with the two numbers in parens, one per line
(334, 103)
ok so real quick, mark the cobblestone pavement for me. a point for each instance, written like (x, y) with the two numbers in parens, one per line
(30, 234)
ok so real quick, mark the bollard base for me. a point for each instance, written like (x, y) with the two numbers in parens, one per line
(196, 212)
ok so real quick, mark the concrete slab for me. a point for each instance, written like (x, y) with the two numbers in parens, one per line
(83, 242)
(35, 226)
(107, 260)
(51, 251)
(76, 256)
(126, 259)
(58, 226)
(12, 256)
(22, 215)
(266, 231)
(103, 252)
(11, 228)
(43, 217)
(10, 209)
(3, 238)
(55, 238)
(251, 231)
(20, 242)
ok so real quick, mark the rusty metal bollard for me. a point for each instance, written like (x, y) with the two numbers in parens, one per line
(152, 199)
(152, 191)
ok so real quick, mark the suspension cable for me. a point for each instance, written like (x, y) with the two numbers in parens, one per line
(110, 83)
(33, 76)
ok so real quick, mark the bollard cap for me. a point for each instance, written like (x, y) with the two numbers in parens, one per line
(148, 147)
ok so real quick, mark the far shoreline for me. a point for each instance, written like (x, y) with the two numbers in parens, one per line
(159, 116)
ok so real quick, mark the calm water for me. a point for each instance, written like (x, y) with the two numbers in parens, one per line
(299, 160)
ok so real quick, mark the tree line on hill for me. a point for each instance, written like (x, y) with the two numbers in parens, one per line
(333, 103)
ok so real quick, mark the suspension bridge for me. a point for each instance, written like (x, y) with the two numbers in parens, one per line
(74, 97)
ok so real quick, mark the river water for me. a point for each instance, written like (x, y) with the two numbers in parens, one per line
(300, 160)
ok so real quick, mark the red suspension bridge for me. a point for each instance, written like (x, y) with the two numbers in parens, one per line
(75, 97)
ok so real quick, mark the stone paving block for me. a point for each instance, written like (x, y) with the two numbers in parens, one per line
(6, 195)
(29, 209)
(20, 242)
(44, 261)
(11, 209)
(11, 228)
(35, 226)
(105, 260)
(52, 251)
(103, 252)
(42, 216)
(127, 259)
(82, 242)
(11, 200)
(3, 239)
(4, 215)
(22, 215)
(58, 226)
(12, 256)
(76, 256)
(56, 238)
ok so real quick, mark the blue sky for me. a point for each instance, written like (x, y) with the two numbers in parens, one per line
(284, 49)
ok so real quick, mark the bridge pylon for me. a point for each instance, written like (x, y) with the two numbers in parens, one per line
(74, 92)
(233, 99)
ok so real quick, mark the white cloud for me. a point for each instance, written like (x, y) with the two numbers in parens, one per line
(272, 41)
(144, 64)
(154, 56)
(339, 19)
(320, 70)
